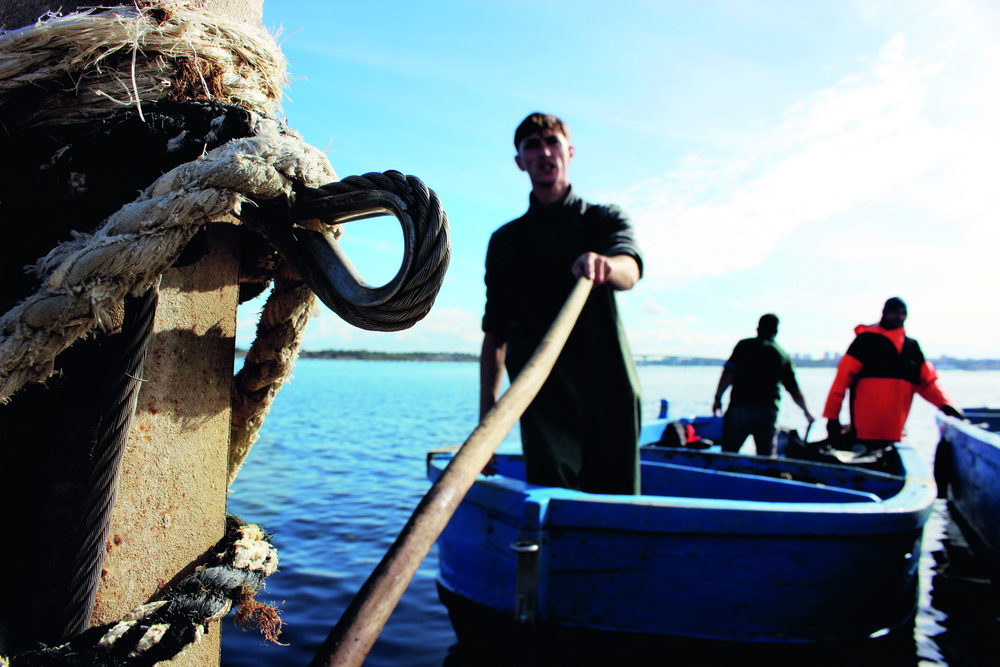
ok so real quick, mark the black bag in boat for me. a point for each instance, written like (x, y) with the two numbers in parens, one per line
(679, 434)
(873, 456)
(786, 442)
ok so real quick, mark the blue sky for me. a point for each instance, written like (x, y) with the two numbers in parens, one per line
(805, 158)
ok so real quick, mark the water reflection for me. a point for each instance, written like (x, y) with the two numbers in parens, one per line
(966, 601)
(495, 647)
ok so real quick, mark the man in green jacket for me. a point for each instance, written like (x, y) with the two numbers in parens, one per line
(756, 370)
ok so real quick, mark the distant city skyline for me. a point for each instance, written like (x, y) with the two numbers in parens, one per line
(807, 159)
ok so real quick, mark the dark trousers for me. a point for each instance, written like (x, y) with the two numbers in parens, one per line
(562, 450)
(741, 422)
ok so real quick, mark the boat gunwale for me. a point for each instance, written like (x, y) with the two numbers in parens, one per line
(907, 510)
(976, 501)
(970, 429)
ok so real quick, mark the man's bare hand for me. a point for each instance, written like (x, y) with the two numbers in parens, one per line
(620, 271)
(491, 466)
(593, 266)
(717, 407)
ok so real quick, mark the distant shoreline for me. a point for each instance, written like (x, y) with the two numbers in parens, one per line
(367, 355)
(943, 363)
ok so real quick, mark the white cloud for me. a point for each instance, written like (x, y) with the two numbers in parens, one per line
(442, 330)
(882, 183)
(849, 144)
(446, 325)
(654, 308)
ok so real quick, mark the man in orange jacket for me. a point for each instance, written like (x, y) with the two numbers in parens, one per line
(883, 368)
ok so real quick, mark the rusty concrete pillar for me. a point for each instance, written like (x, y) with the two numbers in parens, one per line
(171, 501)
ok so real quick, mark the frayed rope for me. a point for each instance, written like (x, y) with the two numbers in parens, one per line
(160, 630)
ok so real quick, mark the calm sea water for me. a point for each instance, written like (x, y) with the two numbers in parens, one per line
(340, 467)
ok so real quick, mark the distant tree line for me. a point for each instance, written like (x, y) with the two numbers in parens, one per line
(943, 363)
(367, 355)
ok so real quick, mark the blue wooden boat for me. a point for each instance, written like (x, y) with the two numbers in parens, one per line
(967, 468)
(720, 546)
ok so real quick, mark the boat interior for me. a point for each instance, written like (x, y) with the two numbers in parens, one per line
(985, 418)
(682, 473)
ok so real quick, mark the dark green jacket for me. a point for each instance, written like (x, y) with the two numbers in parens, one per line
(593, 391)
(760, 366)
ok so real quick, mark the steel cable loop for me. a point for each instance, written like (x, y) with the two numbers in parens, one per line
(422, 276)
(408, 297)
(102, 483)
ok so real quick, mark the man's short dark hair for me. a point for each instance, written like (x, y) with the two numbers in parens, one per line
(538, 122)
(768, 324)
(894, 303)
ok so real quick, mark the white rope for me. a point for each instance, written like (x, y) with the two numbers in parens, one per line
(83, 278)
(85, 65)
(158, 631)
(268, 363)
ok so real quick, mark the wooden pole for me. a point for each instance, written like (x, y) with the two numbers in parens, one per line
(354, 635)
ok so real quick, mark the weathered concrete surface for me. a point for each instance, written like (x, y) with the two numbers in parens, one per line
(172, 494)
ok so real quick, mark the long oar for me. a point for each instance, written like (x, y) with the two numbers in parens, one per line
(359, 627)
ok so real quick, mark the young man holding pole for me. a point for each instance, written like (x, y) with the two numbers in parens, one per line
(582, 429)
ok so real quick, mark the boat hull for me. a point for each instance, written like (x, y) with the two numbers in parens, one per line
(967, 465)
(804, 566)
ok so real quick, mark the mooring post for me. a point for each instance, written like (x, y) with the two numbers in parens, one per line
(171, 499)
